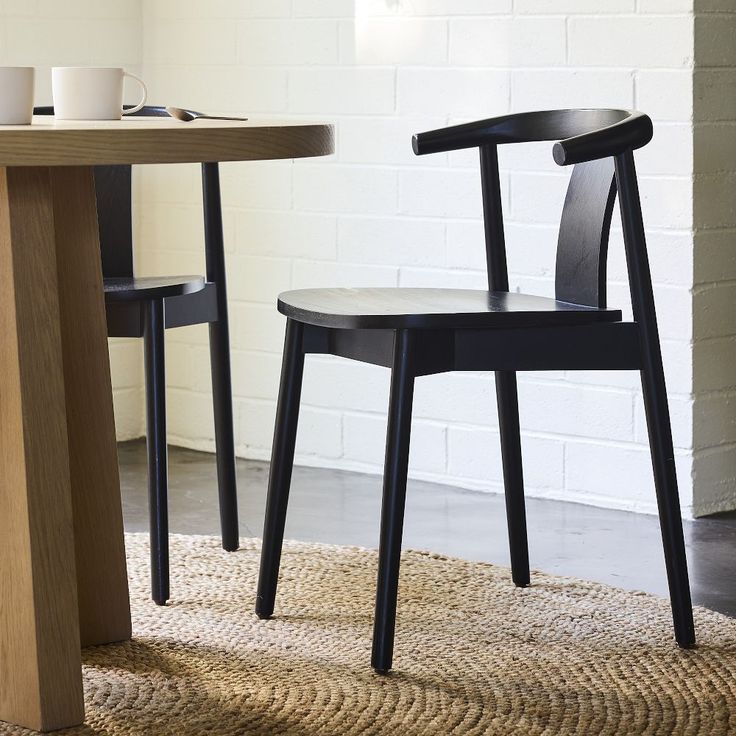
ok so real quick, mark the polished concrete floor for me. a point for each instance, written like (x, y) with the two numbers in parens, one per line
(614, 547)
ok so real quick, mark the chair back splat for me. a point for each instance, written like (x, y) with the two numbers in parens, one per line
(582, 246)
(114, 215)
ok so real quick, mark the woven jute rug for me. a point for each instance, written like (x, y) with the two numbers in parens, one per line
(474, 654)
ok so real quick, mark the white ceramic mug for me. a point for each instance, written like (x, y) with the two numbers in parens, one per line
(91, 93)
(16, 95)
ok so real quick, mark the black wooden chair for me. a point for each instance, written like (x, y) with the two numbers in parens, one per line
(145, 307)
(418, 332)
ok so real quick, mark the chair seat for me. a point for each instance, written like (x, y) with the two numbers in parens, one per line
(395, 308)
(150, 287)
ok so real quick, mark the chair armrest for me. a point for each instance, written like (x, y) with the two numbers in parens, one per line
(630, 134)
(467, 135)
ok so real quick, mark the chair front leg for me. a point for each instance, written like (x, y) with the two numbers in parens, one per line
(282, 461)
(513, 476)
(153, 346)
(394, 497)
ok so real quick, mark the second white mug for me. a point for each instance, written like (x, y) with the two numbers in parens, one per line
(91, 93)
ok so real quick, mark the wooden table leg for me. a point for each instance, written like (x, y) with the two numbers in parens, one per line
(40, 661)
(102, 583)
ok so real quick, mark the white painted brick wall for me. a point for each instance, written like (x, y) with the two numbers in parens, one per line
(646, 41)
(475, 457)
(507, 42)
(374, 214)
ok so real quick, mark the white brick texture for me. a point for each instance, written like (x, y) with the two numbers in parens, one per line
(374, 214)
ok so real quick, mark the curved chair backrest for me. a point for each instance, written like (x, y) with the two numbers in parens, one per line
(583, 135)
(590, 139)
(113, 185)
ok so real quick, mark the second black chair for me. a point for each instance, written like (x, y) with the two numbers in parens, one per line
(145, 307)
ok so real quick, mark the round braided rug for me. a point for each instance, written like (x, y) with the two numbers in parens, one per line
(474, 654)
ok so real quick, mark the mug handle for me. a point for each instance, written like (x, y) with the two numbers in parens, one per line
(131, 110)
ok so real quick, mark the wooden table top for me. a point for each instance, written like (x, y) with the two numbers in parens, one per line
(149, 140)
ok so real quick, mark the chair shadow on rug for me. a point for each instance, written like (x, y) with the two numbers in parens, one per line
(419, 332)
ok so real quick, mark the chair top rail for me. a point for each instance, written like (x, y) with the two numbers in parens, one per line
(582, 135)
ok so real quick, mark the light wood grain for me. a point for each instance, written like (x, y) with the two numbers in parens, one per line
(59, 486)
(158, 140)
(40, 663)
(104, 608)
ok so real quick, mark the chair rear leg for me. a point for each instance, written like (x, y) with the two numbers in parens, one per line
(153, 342)
(668, 502)
(394, 497)
(282, 461)
(513, 477)
(655, 399)
(224, 437)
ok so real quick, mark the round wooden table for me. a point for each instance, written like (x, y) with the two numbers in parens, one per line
(63, 581)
